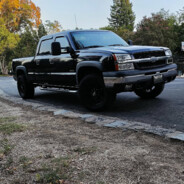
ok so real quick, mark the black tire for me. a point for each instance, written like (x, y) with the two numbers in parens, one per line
(25, 89)
(150, 92)
(93, 93)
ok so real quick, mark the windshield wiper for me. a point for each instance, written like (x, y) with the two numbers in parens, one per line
(93, 46)
(116, 45)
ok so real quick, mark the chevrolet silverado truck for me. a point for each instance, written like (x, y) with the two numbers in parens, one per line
(98, 64)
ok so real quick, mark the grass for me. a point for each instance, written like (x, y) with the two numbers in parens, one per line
(85, 150)
(60, 168)
(6, 147)
(60, 160)
(7, 126)
(10, 128)
(9, 162)
(25, 162)
(51, 176)
(7, 167)
(7, 119)
(58, 171)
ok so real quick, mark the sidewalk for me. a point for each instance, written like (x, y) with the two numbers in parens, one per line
(37, 147)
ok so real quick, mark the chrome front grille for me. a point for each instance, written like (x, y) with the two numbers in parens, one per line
(148, 54)
(149, 63)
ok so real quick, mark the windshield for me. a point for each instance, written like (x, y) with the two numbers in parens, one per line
(92, 39)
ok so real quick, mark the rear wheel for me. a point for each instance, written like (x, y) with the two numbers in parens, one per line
(25, 89)
(93, 93)
(151, 92)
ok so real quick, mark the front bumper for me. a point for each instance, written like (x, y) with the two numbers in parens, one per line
(168, 73)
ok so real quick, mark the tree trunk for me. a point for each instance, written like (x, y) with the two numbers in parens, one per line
(3, 66)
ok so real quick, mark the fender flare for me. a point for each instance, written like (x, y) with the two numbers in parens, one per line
(22, 69)
(89, 64)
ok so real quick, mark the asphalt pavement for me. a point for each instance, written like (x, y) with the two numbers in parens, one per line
(167, 110)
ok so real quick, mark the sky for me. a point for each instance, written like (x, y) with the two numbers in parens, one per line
(94, 13)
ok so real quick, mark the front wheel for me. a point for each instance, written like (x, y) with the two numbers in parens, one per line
(25, 89)
(151, 92)
(93, 93)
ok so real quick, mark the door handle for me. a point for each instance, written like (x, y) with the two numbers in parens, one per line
(51, 61)
(37, 62)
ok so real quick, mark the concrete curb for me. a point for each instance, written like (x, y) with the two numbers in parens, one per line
(103, 121)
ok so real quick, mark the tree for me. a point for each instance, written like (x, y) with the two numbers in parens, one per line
(8, 41)
(52, 27)
(122, 15)
(41, 31)
(179, 29)
(181, 16)
(122, 32)
(27, 44)
(15, 16)
(18, 13)
(157, 30)
(35, 15)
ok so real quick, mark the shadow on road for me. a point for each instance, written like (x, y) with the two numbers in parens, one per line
(159, 111)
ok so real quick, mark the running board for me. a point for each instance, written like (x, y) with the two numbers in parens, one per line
(58, 90)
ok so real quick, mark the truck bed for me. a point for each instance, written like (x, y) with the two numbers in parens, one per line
(18, 62)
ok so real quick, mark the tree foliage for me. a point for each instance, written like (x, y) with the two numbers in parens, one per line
(181, 16)
(15, 16)
(28, 42)
(126, 34)
(7, 41)
(41, 31)
(52, 27)
(19, 13)
(157, 30)
(179, 29)
(122, 15)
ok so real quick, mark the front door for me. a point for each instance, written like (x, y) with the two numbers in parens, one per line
(64, 65)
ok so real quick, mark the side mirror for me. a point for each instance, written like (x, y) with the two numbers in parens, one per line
(69, 50)
(130, 42)
(72, 52)
(56, 48)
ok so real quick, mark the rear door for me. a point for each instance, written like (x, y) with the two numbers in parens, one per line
(64, 65)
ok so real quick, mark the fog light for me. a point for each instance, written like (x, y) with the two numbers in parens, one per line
(169, 61)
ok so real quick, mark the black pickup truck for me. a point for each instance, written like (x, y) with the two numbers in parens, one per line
(99, 64)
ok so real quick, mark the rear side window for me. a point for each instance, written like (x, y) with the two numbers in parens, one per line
(64, 44)
(45, 47)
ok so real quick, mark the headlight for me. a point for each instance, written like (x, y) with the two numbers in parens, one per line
(126, 66)
(120, 58)
(168, 52)
(123, 62)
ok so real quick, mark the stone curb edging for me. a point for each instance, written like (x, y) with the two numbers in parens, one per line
(104, 121)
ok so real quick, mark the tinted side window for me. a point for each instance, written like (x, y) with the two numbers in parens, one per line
(64, 44)
(45, 47)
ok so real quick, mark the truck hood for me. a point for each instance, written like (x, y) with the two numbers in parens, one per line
(125, 50)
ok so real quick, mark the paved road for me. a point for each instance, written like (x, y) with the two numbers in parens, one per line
(167, 110)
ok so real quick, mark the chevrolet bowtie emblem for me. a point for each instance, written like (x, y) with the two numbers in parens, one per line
(153, 59)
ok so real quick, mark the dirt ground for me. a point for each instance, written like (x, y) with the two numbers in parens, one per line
(37, 147)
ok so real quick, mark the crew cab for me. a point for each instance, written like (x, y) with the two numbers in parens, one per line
(98, 64)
